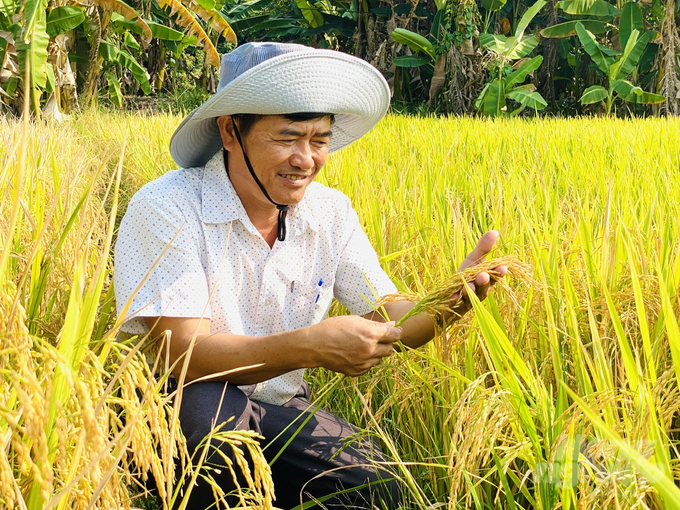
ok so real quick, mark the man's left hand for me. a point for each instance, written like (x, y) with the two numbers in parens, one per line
(460, 303)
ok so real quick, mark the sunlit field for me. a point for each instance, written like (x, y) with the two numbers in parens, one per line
(560, 391)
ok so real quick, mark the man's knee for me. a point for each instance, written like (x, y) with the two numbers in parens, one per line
(208, 405)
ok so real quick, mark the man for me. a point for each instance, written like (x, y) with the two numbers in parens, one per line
(239, 255)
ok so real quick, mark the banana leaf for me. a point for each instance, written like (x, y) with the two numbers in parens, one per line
(344, 25)
(206, 4)
(128, 61)
(276, 23)
(631, 19)
(8, 7)
(598, 8)
(594, 94)
(310, 13)
(520, 74)
(235, 12)
(527, 17)
(631, 55)
(108, 51)
(123, 9)
(414, 41)
(410, 61)
(131, 42)
(164, 33)
(114, 89)
(625, 88)
(120, 24)
(493, 42)
(645, 98)
(493, 5)
(437, 25)
(32, 49)
(516, 50)
(594, 49)
(249, 22)
(568, 29)
(50, 79)
(492, 99)
(64, 19)
(527, 98)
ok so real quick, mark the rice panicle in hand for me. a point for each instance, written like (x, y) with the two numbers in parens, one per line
(439, 301)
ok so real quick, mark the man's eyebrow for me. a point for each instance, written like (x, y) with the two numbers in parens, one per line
(293, 132)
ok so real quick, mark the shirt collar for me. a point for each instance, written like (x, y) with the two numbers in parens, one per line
(221, 204)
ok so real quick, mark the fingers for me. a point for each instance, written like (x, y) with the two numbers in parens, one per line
(484, 246)
(391, 334)
(501, 270)
(481, 286)
(383, 350)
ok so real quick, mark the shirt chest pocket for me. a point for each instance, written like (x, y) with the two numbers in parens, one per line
(309, 301)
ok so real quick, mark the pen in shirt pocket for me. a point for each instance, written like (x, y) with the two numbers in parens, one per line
(319, 286)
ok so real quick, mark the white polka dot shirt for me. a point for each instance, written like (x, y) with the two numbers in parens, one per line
(186, 248)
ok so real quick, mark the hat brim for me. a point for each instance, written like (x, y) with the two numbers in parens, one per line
(303, 81)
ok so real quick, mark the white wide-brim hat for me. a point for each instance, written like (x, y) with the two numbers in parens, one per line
(276, 79)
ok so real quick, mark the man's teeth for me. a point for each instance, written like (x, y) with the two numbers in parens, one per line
(293, 177)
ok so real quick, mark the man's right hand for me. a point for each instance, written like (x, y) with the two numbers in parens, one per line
(350, 344)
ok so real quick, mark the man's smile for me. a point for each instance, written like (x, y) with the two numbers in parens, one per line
(293, 177)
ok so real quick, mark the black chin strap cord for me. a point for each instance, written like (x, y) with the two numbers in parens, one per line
(283, 209)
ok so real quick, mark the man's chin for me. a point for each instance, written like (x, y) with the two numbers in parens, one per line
(290, 199)
(293, 201)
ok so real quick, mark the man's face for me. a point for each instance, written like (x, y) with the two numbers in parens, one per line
(285, 155)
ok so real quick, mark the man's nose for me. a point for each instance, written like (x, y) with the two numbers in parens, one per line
(303, 156)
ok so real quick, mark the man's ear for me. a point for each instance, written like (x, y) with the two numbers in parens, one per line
(226, 125)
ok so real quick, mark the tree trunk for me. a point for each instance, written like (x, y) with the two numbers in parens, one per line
(438, 78)
(669, 81)
(95, 63)
(546, 73)
(156, 64)
(357, 37)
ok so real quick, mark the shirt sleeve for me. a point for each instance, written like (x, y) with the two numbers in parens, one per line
(158, 269)
(359, 280)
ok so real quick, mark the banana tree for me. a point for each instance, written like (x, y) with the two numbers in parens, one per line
(322, 23)
(117, 53)
(10, 71)
(617, 67)
(615, 25)
(34, 49)
(507, 80)
(431, 51)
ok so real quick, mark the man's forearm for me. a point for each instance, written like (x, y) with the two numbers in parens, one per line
(417, 330)
(347, 344)
(240, 359)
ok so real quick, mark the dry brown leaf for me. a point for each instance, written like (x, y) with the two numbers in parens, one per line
(216, 21)
(127, 12)
(187, 21)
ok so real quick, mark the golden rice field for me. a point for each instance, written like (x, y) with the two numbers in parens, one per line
(560, 391)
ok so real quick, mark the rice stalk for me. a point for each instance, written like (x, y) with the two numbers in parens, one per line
(441, 300)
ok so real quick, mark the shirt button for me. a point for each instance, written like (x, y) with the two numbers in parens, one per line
(268, 302)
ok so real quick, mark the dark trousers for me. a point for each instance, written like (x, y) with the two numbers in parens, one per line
(321, 446)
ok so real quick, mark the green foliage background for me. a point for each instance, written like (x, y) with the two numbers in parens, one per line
(488, 57)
